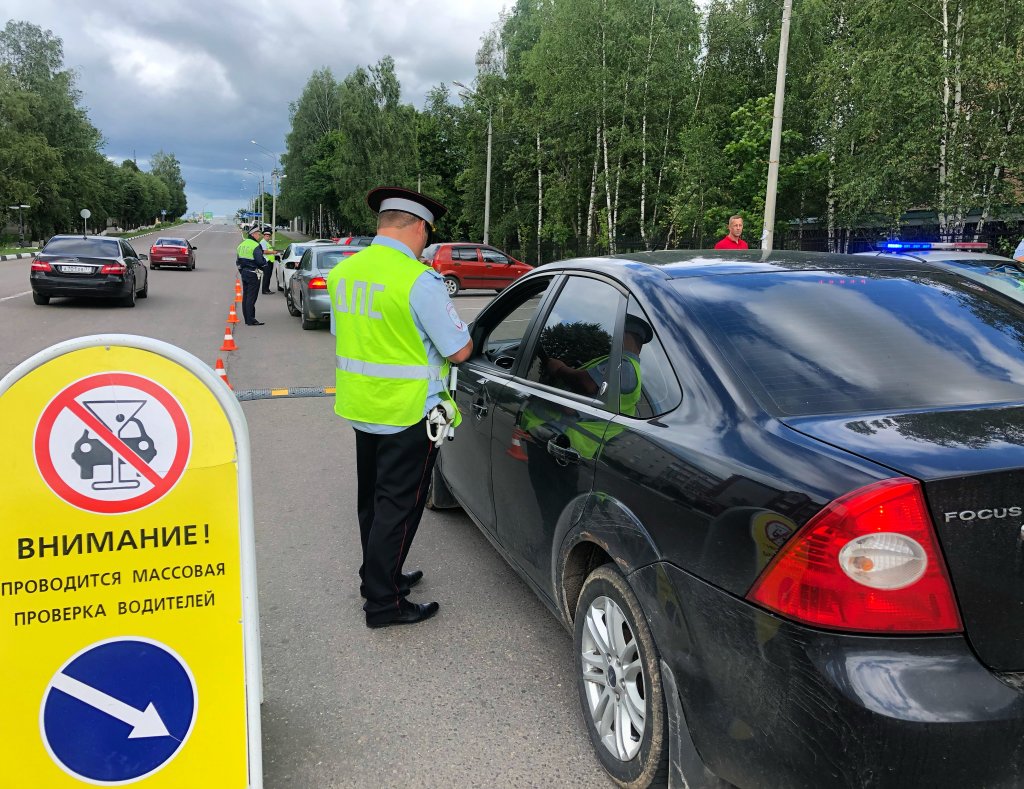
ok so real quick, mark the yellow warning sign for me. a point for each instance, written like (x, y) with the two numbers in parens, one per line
(122, 600)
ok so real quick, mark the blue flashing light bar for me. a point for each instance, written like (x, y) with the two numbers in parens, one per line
(903, 245)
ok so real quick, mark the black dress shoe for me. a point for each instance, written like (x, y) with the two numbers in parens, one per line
(411, 579)
(408, 614)
(255, 323)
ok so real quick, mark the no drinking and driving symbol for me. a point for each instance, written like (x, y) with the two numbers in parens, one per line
(112, 443)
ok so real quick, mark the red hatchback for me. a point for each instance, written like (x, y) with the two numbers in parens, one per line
(465, 265)
(177, 252)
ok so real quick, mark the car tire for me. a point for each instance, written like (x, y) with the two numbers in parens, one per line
(290, 304)
(619, 680)
(439, 495)
(192, 267)
(452, 285)
(307, 324)
(129, 300)
(153, 268)
(144, 293)
(40, 299)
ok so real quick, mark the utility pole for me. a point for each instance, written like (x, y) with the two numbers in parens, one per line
(768, 233)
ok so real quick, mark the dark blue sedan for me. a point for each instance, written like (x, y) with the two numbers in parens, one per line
(778, 501)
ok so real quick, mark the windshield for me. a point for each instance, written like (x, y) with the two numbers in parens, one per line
(833, 342)
(86, 247)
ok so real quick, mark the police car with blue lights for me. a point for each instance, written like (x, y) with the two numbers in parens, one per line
(967, 258)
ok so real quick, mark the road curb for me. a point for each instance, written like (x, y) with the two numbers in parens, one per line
(19, 256)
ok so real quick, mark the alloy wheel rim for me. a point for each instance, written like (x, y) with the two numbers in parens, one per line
(451, 287)
(613, 678)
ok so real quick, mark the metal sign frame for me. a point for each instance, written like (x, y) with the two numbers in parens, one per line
(247, 541)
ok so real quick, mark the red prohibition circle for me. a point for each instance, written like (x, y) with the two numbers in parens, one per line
(160, 488)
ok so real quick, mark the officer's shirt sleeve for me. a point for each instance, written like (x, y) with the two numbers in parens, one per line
(257, 256)
(1019, 252)
(436, 315)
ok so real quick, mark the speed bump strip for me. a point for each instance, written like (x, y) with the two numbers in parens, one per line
(274, 394)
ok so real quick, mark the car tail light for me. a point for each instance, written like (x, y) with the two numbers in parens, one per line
(114, 268)
(869, 561)
(152, 250)
(41, 265)
(183, 250)
(318, 283)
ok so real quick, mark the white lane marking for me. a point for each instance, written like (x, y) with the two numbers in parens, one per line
(16, 295)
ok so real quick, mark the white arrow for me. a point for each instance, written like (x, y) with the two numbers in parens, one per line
(144, 724)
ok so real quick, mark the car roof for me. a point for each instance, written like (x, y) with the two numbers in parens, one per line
(682, 263)
(944, 255)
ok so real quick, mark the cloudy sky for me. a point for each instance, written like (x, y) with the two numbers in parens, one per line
(201, 78)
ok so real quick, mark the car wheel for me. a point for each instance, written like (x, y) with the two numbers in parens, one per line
(192, 267)
(307, 324)
(144, 293)
(129, 300)
(290, 304)
(452, 285)
(619, 681)
(153, 268)
(40, 299)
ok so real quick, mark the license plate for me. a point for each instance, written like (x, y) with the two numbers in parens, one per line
(171, 259)
(76, 269)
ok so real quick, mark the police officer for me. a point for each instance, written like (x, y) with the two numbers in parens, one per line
(397, 335)
(268, 254)
(249, 262)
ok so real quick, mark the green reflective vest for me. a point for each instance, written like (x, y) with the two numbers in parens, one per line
(247, 249)
(381, 366)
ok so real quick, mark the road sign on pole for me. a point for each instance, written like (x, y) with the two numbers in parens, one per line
(128, 609)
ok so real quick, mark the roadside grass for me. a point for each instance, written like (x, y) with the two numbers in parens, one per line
(130, 234)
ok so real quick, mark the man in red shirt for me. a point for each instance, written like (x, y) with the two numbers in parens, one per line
(733, 240)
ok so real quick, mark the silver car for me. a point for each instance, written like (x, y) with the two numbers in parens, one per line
(289, 261)
(307, 296)
(968, 259)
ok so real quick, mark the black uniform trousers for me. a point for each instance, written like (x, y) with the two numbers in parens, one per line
(250, 292)
(268, 274)
(394, 476)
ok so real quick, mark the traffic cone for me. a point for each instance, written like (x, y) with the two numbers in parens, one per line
(515, 450)
(229, 341)
(238, 290)
(223, 374)
(232, 314)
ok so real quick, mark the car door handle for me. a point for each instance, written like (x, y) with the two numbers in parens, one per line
(562, 455)
(479, 410)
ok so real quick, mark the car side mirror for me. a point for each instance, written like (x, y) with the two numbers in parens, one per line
(193, 247)
(143, 257)
(290, 266)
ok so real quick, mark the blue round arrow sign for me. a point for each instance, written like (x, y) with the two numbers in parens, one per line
(119, 710)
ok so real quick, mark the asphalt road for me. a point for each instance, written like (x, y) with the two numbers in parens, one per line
(482, 695)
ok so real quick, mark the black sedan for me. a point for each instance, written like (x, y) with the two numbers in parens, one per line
(778, 502)
(89, 266)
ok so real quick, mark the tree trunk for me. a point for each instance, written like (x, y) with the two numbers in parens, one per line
(593, 188)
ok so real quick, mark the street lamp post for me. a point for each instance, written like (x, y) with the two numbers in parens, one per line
(275, 173)
(487, 176)
(768, 232)
(21, 223)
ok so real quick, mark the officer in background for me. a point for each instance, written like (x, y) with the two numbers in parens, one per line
(269, 256)
(250, 262)
(397, 335)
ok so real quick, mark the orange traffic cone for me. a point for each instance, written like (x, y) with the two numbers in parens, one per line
(232, 314)
(238, 290)
(223, 374)
(515, 450)
(229, 341)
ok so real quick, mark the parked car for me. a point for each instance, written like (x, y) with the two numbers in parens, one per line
(356, 241)
(465, 265)
(292, 254)
(176, 252)
(786, 533)
(307, 296)
(970, 259)
(89, 267)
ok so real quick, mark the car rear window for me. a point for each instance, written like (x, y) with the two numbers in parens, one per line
(96, 247)
(835, 342)
(169, 242)
(328, 260)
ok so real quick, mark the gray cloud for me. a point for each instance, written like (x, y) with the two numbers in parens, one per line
(201, 79)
